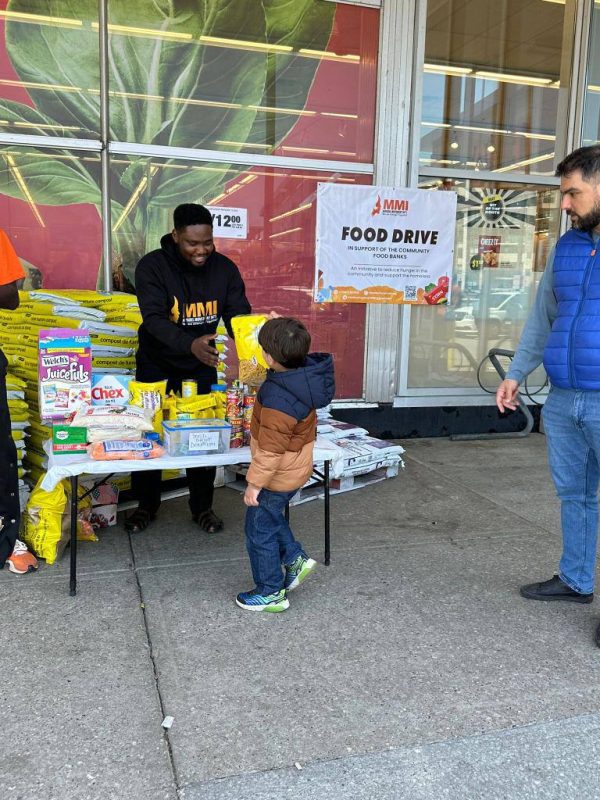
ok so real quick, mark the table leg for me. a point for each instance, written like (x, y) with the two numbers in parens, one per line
(327, 517)
(287, 512)
(73, 577)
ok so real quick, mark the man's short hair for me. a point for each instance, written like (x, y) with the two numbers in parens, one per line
(286, 340)
(191, 214)
(584, 159)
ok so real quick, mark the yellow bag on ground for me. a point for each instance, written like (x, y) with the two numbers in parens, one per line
(43, 529)
(253, 367)
(47, 520)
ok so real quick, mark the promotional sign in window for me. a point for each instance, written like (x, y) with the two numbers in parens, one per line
(229, 223)
(381, 244)
(489, 250)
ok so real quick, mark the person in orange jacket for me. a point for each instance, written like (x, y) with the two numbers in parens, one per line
(12, 551)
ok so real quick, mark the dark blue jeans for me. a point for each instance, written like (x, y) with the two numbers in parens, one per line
(269, 540)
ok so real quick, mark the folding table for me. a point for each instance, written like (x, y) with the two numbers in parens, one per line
(71, 467)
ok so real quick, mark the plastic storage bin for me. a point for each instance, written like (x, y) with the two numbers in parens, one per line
(196, 437)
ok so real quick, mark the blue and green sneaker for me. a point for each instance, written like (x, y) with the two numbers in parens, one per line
(253, 601)
(297, 571)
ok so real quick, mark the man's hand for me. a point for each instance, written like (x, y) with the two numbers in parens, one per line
(506, 396)
(204, 351)
(251, 495)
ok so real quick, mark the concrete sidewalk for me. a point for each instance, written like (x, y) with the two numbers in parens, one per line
(409, 668)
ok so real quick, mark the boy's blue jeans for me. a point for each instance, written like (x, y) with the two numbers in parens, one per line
(269, 540)
(572, 426)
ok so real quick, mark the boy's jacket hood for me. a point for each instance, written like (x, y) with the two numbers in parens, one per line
(297, 391)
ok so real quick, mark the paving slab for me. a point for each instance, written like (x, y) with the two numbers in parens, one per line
(81, 713)
(540, 762)
(505, 471)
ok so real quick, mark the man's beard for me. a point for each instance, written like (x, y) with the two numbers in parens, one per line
(588, 221)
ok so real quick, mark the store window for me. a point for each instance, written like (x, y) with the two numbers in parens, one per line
(275, 252)
(591, 116)
(50, 208)
(291, 79)
(491, 84)
(49, 69)
(504, 233)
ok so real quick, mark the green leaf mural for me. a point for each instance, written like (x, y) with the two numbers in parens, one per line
(173, 81)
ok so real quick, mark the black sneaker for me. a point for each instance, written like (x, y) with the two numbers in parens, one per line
(554, 589)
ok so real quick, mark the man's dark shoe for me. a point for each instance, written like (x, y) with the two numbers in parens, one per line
(554, 589)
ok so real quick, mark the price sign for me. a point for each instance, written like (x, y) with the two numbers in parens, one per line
(229, 223)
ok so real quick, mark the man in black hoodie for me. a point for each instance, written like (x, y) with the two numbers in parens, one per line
(183, 290)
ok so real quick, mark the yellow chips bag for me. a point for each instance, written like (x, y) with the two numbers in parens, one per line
(253, 367)
(149, 395)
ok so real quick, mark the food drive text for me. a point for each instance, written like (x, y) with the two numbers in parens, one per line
(407, 236)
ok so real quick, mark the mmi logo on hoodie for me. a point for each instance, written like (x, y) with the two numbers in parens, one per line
(192, 314)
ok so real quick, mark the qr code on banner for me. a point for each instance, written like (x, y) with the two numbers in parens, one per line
(410, 292)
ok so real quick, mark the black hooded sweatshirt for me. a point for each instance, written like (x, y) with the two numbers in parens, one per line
(180, 302)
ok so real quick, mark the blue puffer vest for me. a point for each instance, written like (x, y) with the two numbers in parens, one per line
(572, 353)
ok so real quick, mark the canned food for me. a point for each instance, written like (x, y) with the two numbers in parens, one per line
(189, 388)
(234, 404)
(248, 407)
(246, 429)
(237, 434)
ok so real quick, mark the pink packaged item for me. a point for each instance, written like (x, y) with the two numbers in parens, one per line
(64, 371)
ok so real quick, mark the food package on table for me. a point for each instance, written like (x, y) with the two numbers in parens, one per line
(119, 450)
(104, 434)
(149, 396)
(253, 367)
(65, 371)
(115, 417)
(199, 406)
(110, 390)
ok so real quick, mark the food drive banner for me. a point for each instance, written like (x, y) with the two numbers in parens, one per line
(380, 244)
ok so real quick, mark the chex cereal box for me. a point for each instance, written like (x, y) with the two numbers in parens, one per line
(110, 390)
(64, 371)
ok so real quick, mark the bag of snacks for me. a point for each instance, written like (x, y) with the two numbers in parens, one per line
(149, 395)
(253, 367)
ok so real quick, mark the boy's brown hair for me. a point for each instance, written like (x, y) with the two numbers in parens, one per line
(286, 340)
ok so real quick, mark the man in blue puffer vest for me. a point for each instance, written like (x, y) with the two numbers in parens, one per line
(563, 331)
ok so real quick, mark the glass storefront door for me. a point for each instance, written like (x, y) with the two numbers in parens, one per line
(504, 233)
(490, 110)
(591, 114)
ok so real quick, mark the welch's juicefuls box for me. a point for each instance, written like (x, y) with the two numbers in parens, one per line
(64, 371)
(110, 390)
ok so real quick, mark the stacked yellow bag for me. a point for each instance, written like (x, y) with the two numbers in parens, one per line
(19, 420)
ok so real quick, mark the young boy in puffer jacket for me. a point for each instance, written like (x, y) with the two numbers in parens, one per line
(283, 433)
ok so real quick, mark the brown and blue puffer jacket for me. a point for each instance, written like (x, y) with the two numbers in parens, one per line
(284, 423)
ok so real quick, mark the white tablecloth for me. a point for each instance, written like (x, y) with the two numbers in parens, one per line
(61, 466)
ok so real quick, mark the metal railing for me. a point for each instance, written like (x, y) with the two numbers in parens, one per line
(493, 357)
